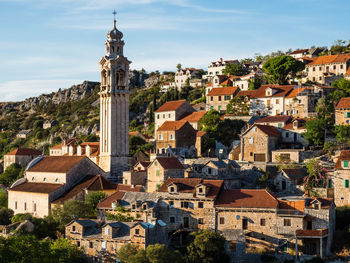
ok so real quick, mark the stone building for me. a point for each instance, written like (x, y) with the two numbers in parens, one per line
(175, 134)
(340, 181)
(342, 112)
(137, 175)
(182, 75)
(114, 107)
(161, 169)
(194, 118)
(23, 134)
(46, 179)
(257, 142)
(288, 180)
(324, 69)
(20, 156)
(102, 240)
(301, 102)
(49, 124)
(215, 68)
(219, 98)
(171, 111)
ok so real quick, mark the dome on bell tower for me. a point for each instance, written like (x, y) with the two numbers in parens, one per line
(114, 34)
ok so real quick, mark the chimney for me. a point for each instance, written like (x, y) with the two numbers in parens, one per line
(221, 60)
(132, 186)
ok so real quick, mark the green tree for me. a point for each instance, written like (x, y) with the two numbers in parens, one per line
(94, 198)
(254, 83)
(126, 252)
(159, 253)
(136, 144)
(228, 130)
(3, 198)
(315, 131)
(238, 106)
(316, 176)
(178, 66)
(210, 121)
(63, 250)
(11, 174)
(5, 216)
(280, 69)
(234, 69)
(207, 247)
(343, 133)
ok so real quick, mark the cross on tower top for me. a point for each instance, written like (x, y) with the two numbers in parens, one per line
(114, 13)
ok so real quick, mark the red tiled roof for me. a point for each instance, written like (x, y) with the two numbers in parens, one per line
(24, 151)
(311, 233)
(248, 93)
(348, 72)
(298, 51)
(290, 125)
(188, 185)
(56, 164)
(171, 125)
(43, 188)
(171, 105)
(269, 130)
(107, 202)
(325, 202)
(282, 118)
(91, 183)
(200, 133)
(344, 156)
(91, 144)
(169, 163)
(280, 91)
(194, 117)
(245, 198)
(222, 91)
(295, 92)
(59, 146)
(344, 103)
(130, 188)
(342, 58)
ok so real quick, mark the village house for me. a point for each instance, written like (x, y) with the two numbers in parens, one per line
(166, 86)
(23, 134)
(194, 118)
(161, 169)
(103, 239)
(340, 181)
(257, 142)
(182, 75)
(269, 99)
(49, 124)
(63, 148)
(176, 135)
(307, 53)
(137, 175)
(288, 180)
(216, 68)
(20, 156)
(46, 179)
(219, 98)
(342, 112)
(171, 111)
(327, 69)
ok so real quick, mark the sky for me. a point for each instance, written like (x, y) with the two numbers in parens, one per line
(50, 44)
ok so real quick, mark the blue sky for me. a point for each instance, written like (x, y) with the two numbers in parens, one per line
(50, 44)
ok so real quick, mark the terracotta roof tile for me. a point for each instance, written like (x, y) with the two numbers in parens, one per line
(171, 125)
(344, 103)
(222, 91)
(107, 202)
(295, 92)
(290, 124)
(56, 164)
(195, 116)
(188, 185)
(330, 59)
(246, 93)
(24, 151)
(348, 72)
(43, 188)
(282, 118)
(344, 156)
(91, 183)
(311, 233)
(280, 91)
(269, 130)
(91, 144)
(245, 198)
(295, 173)
(59, 146)
(171, 105)
(298, 51)
(169, 163)
(130, 188)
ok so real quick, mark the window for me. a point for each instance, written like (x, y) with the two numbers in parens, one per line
(334, 67)
(251, 140)
(91, 245)
(137, 231)
(251, 154)
(200, 221)
(209, 170)
(222, 220)
(277, 101)
(280, 125)
(78, 243)
(320, 68)
(184, 204)
(330, 183)
(211, 98)
(346, 183)
(169, 115)
(200, 204)
(320, 78)
(133, 206)
(186, 222)
(16, 205)
(45, 179)
(172, 189)
(33, 179)
(262, 222)
(345, 164)
(347, 114)
(219, 98)
(107, 231)
(171, 203)
(341, 66)
(73, 228)
(163, 116)
(287, 222)
(158, 116)
(287, 134)
(25, 206)
(172, 220)
(157, 172)
(200, 190)
(34, 208)
(313, 69)
(171, 136)
(160, 136)
(57, 180)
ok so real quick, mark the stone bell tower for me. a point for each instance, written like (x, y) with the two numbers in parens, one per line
(114, 107)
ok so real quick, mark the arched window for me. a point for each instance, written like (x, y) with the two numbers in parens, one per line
(25, 206)
(45, 179)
